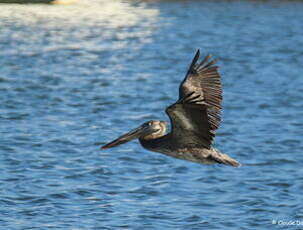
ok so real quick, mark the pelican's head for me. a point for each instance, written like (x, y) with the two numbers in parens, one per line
(147, 131)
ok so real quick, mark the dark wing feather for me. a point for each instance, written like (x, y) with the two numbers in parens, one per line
(197, 114)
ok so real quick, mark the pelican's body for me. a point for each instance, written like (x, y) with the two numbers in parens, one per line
(194, 154)
(194, 120)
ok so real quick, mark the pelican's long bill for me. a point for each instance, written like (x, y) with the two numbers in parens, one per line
(133, 134)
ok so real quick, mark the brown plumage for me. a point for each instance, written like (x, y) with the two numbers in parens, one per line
(194, 119)
(200, 97)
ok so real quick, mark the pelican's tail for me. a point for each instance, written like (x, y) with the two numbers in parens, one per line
(222, 158)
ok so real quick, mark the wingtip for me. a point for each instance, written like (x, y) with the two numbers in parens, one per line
(194, 61)
(198, 52)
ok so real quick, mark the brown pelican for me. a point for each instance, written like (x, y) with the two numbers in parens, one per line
(194, 118)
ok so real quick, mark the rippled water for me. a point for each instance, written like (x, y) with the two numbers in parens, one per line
(74, 77)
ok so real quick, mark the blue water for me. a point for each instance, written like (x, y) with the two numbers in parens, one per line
(74, 77)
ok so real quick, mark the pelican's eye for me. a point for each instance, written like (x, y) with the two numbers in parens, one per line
(150, 123)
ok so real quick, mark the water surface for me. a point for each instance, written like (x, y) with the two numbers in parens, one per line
(74, 77)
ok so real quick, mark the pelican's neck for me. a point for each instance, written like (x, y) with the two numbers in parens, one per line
(156, 143)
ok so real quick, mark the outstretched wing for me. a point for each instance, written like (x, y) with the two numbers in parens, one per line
(197, 114)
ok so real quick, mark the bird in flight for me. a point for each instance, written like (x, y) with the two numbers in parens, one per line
(194, 118)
